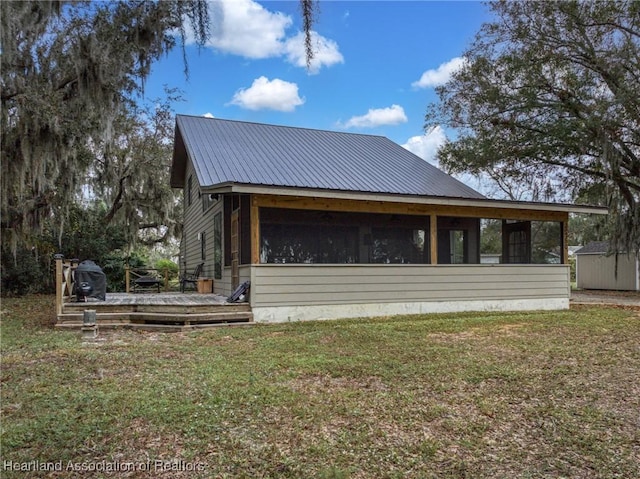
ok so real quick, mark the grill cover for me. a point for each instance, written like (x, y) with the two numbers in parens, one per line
(90, 273)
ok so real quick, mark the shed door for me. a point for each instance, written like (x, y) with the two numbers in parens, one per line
(235, 250)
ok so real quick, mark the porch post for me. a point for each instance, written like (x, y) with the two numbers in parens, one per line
(127, 279)
(255, 232)
(433, 238)
(59, 258)
(565, 240)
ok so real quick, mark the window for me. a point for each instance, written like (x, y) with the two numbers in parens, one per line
(516, 242)
(518, 247)
(490, 241)
(189, 190)
(217, 246)
(457, 242)
(316, 236)
(522, 242)
(203, 246)
(208, 200)
(398, 245)
(546, 242)
(301, 243)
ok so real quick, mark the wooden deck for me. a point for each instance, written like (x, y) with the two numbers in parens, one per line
(164, 311)
(173, 298)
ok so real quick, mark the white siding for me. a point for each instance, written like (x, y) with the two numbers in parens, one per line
(597, 271)
(315, 291)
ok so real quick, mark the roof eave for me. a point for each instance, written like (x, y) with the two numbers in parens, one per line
(403, 198)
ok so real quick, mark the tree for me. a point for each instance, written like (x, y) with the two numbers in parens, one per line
(548, 96)
(308, 8)
(131, 173)
(70, 72)
(68, 68)
(83, 236)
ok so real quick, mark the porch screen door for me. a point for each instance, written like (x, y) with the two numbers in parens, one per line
(235, 250)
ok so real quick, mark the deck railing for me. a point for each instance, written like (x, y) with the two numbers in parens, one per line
(64, 280)
(132, 274)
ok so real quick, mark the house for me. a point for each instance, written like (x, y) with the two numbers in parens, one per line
(596, 269)
(330, 224)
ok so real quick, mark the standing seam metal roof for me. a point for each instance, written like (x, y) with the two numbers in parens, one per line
(228, 151)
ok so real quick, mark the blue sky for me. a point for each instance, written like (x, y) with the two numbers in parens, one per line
(376, 65)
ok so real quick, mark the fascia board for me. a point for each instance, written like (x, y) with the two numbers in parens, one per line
(427, 200)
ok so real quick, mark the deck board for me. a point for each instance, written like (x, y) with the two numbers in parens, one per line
(181, 299)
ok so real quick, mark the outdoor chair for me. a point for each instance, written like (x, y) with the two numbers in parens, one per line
(191, 278)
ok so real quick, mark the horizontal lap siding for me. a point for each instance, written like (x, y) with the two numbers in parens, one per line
(599, 272)
(224, 284)
(194, 223)
(288, 285)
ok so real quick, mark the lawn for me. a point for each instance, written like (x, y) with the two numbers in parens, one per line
(482, 395)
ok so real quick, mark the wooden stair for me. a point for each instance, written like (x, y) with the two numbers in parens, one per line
(168, 317)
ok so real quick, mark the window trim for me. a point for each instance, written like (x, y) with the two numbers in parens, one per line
(203, 246)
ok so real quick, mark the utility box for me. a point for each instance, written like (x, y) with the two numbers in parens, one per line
(205, 285)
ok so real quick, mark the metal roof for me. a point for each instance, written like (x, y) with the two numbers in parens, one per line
(595, 247)
(236, 152)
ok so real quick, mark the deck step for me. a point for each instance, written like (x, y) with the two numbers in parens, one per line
(154, 327)
(169, 312)
(137, 317)
(100, 308)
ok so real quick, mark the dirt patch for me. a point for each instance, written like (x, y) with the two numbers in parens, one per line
(324, 383)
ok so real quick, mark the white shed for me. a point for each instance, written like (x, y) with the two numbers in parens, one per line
(595, 269)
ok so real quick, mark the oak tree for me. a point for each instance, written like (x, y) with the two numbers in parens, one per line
(68, 70)
(548, 97)
(71, 75)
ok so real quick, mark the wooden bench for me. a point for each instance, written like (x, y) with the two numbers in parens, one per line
(145, 283)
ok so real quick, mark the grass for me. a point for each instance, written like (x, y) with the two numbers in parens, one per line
(482, 395)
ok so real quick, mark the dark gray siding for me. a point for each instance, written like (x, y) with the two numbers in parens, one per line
(197, 222)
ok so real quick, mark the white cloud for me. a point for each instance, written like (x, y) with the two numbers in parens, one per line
(426, 146)
(392, 115)
(265, 94)
(208, 115)
(247, 29)
(440, 75)
(244, 27)
(325, 52)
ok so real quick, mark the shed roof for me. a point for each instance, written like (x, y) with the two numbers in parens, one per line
(594, 247)
(227, 152)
